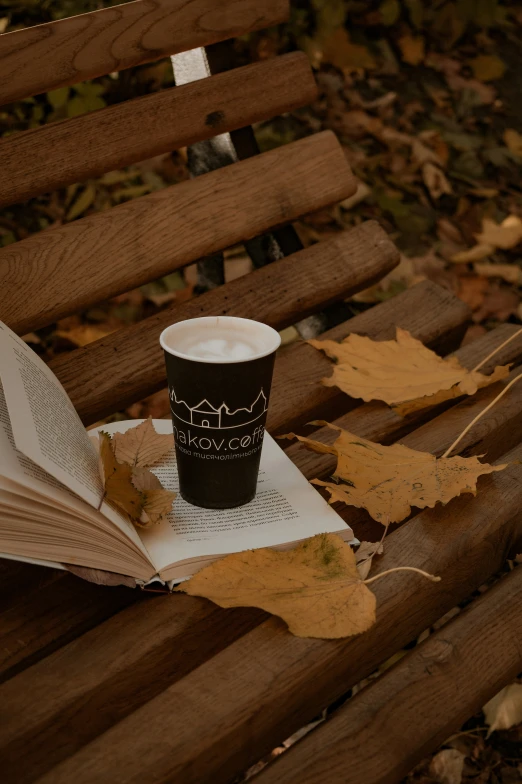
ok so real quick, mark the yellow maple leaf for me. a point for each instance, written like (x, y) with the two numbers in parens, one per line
(315, 587)
(400, 371)
(141, 445)
(157, 502)
(388, 480)
(119, 489)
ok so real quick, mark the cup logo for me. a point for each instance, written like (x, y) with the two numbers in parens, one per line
(204, 414)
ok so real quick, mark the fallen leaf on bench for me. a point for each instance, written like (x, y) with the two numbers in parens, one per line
(141, 445)
(119, 489)
(505, 709)
(315, 587)
(364, 556)
(447, 766)
(401, 371)
(388, 480)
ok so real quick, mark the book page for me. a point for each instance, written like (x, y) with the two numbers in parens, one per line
(286, 509)
(46, 427)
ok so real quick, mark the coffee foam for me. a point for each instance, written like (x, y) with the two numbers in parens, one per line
(220, 339)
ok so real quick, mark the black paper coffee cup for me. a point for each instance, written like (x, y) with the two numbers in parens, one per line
(219, 373)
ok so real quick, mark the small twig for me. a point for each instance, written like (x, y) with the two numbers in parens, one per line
(431, 577)
(479, 416)
(497, 349)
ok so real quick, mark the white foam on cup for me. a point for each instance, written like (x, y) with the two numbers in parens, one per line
(220, 339)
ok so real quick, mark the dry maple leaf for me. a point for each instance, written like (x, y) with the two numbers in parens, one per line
(119, 489)
(400, 371)
(315, 587)
(505, 709)
(388, 480)
(141, 445)
(157, 502)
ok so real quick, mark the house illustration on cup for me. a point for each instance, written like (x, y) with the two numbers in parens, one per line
(204, 414)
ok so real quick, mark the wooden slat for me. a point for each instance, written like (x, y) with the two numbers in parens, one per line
(60, 153)
(61, 270)
(53, 625)
(377, 421)
(71, 50)
(128, 365)
(231, 710)
(380, 734)
(300, 396)
(62, 711)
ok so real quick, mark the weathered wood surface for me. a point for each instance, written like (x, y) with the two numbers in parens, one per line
(66, 711)
(267, 683)
(128, 365)
(381, 733)
(135, 130)
(377, 421)
(47, 56)
(61, 270)
(299, 397)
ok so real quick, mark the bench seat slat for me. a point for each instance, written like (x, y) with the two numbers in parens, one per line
(59, 271)
(415, 706)
(326, 271)
(267, 683)
(47, 56)
(134, 130)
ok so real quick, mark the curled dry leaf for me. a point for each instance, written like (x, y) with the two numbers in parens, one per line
(505, 709)
(447, 766)
(364, 556)
(119, 489)
(315, 587)
(141, 445)
(157, 502)
(388, 480)
(400, 371)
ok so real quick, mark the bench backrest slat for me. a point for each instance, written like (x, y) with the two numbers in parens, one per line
(148, 126)
(61, 270)
(47, 56)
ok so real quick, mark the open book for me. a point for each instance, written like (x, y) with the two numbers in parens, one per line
(50, 491)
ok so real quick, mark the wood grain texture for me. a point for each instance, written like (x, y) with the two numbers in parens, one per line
(381, 733)
(139, 638)
(134, 130)
(71, 50)
(268, 683)
(125, 366)
(299, 397)
(146, 648)
(377, 421)
(64, 269)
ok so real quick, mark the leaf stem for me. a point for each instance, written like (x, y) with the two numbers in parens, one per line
(479, 416)
(431, 577)
(497, 349)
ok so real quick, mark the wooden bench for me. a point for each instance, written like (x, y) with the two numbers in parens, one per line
(108, 684)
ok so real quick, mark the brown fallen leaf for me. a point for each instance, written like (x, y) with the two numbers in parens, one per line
(505, 235)
(141, 445)
(83, 334)
(157, 502)
(339, 51)
(412, 49)
(447, 766)
(513, 140)
(399, 371)
(119, 489)
(511, 273)
(478, 252)
(505, 709)
(435, 180)
(388, 480)
(487, 67)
